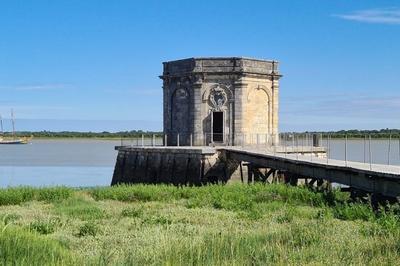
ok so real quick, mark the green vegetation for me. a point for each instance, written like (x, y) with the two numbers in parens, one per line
(360, 134)
(212, 225)
(74, 134)
(88, 229)
(21, 247)
(13, 196)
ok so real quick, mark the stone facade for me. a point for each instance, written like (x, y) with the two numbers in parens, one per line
(228, 100)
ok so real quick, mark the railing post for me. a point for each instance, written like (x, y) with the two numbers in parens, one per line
(165, 140)
(390, 140)
(292, 141)
(191, 139)
(345, 150)
(297, 147)
(152, 140)
(285, 138)
(142, 140)
(177, 139)
(328, 147)
(257, 140)
(312, 150)
(365, 140)
(370, 154)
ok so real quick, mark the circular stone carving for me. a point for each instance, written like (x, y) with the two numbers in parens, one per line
(218, 97)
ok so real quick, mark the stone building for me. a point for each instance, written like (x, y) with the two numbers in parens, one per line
(220, 101)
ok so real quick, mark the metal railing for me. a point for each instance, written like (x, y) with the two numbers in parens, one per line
(365, 150)
(206, 139)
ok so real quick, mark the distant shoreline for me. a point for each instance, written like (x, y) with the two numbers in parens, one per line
(350, 134)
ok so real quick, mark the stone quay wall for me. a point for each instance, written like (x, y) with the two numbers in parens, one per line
(178, 166)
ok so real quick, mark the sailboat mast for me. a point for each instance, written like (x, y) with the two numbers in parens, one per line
(1, 126)
(13, 122)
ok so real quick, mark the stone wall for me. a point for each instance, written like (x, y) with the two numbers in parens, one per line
(179, 166)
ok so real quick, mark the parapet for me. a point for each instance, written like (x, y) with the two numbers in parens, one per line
(220, 65)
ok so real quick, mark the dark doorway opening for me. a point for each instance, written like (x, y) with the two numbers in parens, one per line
(218, 126)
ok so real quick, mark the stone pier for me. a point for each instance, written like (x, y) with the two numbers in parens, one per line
(172, 165)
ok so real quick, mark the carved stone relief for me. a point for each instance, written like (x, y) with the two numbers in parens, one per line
(217, 98)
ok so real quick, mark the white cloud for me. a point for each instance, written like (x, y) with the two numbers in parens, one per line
(378, 16)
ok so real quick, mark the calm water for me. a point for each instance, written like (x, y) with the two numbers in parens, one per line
(359, 150)
(58, 162)
(91, 162)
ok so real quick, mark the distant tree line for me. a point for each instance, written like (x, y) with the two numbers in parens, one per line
(355, 133)
(74, 134)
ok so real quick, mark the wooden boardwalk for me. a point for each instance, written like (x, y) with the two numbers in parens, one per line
(374, 178)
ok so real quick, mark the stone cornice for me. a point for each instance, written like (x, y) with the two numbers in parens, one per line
(220, 66)
(244, 74)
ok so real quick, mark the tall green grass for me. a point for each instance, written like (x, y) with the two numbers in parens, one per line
(18, 195)
(21, 247)
(225, 197)
(79, 208)
(212, 225)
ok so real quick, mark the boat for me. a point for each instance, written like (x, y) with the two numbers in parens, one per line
(13, 139)
(23, 140)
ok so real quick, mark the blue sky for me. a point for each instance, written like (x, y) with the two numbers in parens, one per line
(94, 65)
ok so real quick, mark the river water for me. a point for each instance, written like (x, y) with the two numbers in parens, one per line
(90, 162)
(83, 162)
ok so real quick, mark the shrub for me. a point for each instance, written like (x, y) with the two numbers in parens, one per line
(389, 220)
(285, 217)
(45, 227)
(353, 211)
(325, 213)
(88, 229)
(157, 219)
(132, 212)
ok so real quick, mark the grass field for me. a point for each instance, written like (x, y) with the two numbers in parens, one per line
(212, 225)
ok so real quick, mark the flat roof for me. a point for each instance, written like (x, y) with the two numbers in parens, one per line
(223, 58)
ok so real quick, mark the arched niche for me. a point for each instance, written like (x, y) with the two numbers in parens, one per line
(259, 110)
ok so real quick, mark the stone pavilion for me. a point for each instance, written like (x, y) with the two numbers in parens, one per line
(220, 101)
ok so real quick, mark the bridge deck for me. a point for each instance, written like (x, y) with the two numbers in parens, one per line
(383, 179)
(392, 170)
